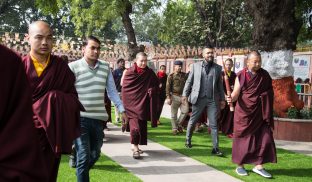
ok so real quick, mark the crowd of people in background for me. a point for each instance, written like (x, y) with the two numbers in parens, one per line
(75, 93)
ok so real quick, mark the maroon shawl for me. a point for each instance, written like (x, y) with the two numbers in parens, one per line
(20, 155)
(255, 103)
(55, 103)
(140, 94)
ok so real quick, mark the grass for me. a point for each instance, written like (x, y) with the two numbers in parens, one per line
(105, 169)
(290, 166)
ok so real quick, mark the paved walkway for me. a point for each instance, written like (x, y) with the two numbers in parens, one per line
(158, 163)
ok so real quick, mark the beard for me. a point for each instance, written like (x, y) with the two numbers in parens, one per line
(210, 58)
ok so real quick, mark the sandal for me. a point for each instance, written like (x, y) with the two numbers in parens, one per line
(140, 151)
(136, 155)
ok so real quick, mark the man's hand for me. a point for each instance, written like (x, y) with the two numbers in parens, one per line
(124, 117)
(168, 100)
(184, 99)
(228, 99)
(222, 104)
(125, 121)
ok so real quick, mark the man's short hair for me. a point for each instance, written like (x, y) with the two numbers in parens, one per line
(120, 60)
(229, 59)
(90, 37)
(253, 53)
(162, 66)
(140, 54)
(208, 47)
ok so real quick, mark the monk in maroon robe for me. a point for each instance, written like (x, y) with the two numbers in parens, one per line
(162, 78)
(140, 98)
(226, 116)
(253, 118)
(55, 101)
(20, 155)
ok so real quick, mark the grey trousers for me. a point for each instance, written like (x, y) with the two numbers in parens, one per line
(212, 113)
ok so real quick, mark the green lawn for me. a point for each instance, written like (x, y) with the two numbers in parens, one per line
(104, 170)
(290, 167)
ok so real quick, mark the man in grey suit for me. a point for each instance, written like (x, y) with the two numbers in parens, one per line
(204, 88)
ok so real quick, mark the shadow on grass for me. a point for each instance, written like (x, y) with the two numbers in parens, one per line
(294, 172)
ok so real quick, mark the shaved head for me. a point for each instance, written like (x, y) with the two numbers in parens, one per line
(34, 26)
(253, 53)
(254, 61)
(40, 39)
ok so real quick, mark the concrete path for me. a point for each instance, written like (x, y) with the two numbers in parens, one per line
(299, 147)
(158, 163)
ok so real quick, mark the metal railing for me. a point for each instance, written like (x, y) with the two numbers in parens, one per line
(306, 98)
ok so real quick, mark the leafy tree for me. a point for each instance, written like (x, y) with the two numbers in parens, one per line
(88, 16)
(304, 15)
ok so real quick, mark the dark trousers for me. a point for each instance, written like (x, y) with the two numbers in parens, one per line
(88, 146)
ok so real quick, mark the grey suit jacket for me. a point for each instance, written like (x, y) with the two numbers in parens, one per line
(192, 85)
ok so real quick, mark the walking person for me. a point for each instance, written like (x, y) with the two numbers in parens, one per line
(21, 156)
(93, 76)
(204, 88)
(117, 74)
(174, 89)
(140, 89)
(162, 79)
(253, 141)
(226, 116)
(55, 101)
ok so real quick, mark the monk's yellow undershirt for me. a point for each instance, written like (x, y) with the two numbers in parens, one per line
(38, 66)
(229, 73)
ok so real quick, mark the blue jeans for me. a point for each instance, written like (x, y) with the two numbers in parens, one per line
(88, 146)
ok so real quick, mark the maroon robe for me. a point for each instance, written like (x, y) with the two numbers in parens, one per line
(162, 79)
(56, 109)
(253, 119)
(20, 155)
(140, 99)
(226, 116)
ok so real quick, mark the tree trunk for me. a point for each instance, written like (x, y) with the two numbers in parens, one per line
(126, 20)
(275, 35)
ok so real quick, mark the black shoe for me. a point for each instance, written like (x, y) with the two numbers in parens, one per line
(72, 161)
(188, 145)
(216, 152)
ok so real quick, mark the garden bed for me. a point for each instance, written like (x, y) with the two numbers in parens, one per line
(293, 129)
